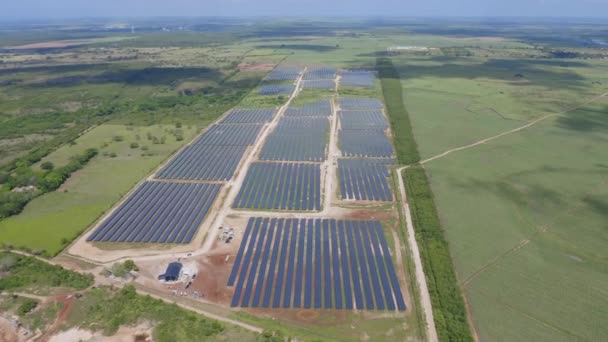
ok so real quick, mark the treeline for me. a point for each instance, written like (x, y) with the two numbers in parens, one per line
(19, 271)
(448, 305)
(403, 136)
(49, 179)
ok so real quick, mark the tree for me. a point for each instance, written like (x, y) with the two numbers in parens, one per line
(47, 165)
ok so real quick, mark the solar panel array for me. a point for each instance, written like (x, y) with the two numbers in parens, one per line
(297, 139)
(317, 108)
(365, 179)
(239, 115)
(320, 73)
(354, 103)
(357, 78)
(365, 143)
(204, 162)
(230, 135)
(284, 73)
(276, 89)
(319, 84)
(284, 186)
(362, 119)
(315, 263)
(159, 212)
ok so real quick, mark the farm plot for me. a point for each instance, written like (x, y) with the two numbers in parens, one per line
(362, 119)
(353, 103)
(365, 179)
(204, 162)
(320, 73)
(315, 263)
(230, 135)
(319, 84)
(357, 78)
(317, 108)
(243, 116)
(159, 212)
(283, 186)
(276, 89)
(284, 73)
(365, 143)
(297, 139)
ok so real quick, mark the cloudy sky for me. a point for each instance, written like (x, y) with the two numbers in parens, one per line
(26, 9)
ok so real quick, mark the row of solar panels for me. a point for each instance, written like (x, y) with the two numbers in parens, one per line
(315, 263)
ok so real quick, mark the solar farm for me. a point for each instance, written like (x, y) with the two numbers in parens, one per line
(357, 78)
(315, 263)
(286, 198)
(319, 84)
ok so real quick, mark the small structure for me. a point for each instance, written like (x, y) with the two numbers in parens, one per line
(172, 273)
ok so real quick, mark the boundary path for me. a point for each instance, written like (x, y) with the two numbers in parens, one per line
(425, 297)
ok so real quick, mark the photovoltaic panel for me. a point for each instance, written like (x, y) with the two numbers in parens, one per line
(365, 143)
(320, 73)
(240, 115)
(362, 119)
(230, 135)
(365, 179)
(297, 139)
(319, 84)
(356, 103)
(317, 108)
(276, 89)
(319, 260)
(283, 186)
(203, 162)
(158, 212)
(284, 73)
(357, 78)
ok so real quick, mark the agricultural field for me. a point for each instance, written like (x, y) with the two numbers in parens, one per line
(523, 214)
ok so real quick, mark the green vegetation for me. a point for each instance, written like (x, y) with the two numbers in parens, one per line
(403, 136)
(107, 309)
(448, 306)
(122, 269)
(51, 221)
(27, 306)
(23, 272)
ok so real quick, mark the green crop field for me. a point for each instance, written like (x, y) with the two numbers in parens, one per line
(524, 214)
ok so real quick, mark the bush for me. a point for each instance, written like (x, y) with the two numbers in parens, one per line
(118, 138)
(47, 165)
(27, 271)
(448, 305)
(27, 306)
(134, 145)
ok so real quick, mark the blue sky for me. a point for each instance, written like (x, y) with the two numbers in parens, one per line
(26, 9)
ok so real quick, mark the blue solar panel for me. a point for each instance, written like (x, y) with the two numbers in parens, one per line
(365, 143)
(287, 188)
(203, 162)
(365, 179)
(297, 139)
(317, 108)
(320, 73)
(284, 73)
(357, 78)
(276, 89)
(239, 256)
(158, 212)
(243, 116)
(315, 251)
(230, 135)
(319, 84)
(359, 103)
(362, 119)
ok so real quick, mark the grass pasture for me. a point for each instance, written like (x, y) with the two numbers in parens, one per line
(52, 220)
(524, 215)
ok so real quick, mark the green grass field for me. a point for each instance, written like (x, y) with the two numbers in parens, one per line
(524, 214)
(52, 220)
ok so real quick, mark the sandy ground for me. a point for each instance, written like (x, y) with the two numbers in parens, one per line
(141, 332)
(8, 331)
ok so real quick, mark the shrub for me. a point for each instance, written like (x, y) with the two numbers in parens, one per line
(134, 145)
(47, 165)
(27, 306)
